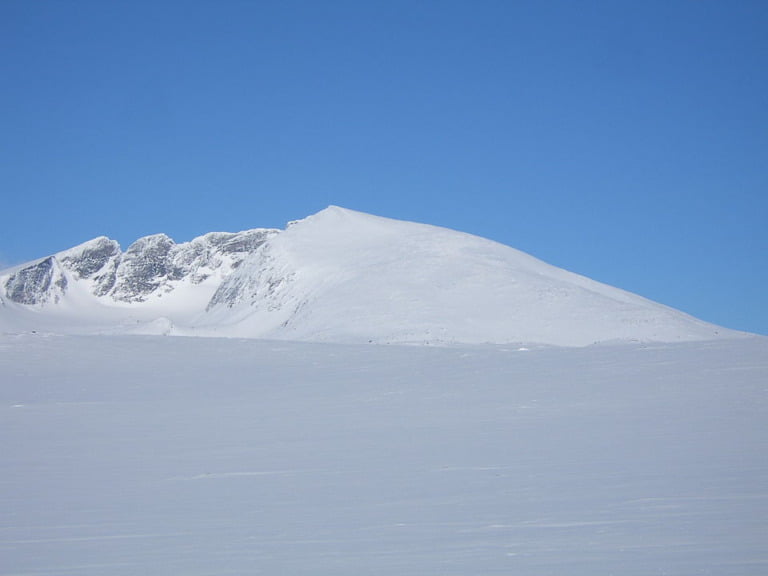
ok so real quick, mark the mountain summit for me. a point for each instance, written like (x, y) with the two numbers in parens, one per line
(335, 276)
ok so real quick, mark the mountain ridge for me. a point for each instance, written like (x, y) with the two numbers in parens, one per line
(337, 276)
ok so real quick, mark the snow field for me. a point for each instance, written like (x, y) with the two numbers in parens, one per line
(151, 455)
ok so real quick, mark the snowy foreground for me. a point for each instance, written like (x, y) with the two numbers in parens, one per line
(190, 456)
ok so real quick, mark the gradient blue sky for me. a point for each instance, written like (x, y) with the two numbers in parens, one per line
(626, 141)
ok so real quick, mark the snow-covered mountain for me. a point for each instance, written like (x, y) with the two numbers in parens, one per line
(151, 266)
(337, 276)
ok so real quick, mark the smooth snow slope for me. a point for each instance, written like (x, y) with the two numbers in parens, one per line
(345, 276)
(158, 456)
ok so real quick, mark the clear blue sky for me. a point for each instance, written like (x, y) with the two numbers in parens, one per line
(626, 141)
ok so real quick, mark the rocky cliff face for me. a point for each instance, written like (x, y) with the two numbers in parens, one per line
(96, 260)
(37, 284)
(151, 266)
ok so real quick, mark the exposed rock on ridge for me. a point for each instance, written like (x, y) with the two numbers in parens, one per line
(37, 284)
(98, 260)
(150, 266)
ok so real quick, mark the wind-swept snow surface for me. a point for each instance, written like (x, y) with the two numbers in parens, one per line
(157, 456)
(337, 276)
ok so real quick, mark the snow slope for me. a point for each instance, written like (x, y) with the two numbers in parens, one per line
(336, 276)
(345, 276)
(156, 456)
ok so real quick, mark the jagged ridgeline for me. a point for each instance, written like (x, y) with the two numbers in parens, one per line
(335, 276)
(151, 264)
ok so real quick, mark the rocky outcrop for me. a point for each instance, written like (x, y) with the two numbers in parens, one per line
(152, 265)
(36, 284)
(144, 268)
(96, 260)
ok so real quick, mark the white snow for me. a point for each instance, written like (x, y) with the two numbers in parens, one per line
(302, 448)
(345, 276)
(148, 455)
(348, 277)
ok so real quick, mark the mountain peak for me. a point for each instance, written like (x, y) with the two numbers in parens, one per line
(336, 215)
(337, 275)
